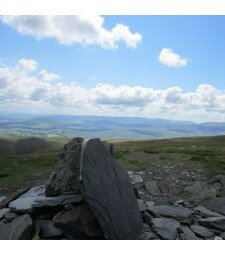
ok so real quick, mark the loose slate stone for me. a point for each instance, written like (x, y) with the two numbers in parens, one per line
(183, 215)
(141, 205)
(11, 197)
(109, 193)
(152, 188)
(35, 198)
(201, 231)
(79, 222)
(65, 179)
(166, 228)
(216, 204)
(205, 212)
(3, 212)
(47, 229)
(187, 234)
(19, 229)
(10, 216)
(217, 223)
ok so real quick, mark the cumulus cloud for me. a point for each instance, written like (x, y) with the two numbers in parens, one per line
(67, 30)
(169, 58)
(20, 87)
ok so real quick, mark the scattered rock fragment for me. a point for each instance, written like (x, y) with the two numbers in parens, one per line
(187, 234)
(152, 188)
(166, 228)
(183, 215)
(202, 231)
(3, 212)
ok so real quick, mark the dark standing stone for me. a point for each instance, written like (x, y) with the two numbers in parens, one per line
(65, 179)
(79, 222)
(109, 193)
(19, 229)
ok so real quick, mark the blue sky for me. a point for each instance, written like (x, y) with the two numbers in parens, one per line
(199, 40)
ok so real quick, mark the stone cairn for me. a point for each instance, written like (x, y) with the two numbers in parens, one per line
(90, 196)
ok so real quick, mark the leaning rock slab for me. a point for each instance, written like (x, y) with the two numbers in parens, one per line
(166, 228)
(19, 229)
(184, 215)
(35, 198)
(109, 193)
(65, 178)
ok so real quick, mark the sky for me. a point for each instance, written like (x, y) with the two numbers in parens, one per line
(148, 66)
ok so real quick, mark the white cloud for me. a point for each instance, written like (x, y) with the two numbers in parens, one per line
(67, 30)
(21, 87)
(45, 76)
(169, 58)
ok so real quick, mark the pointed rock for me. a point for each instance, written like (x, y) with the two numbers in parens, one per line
(109, 193)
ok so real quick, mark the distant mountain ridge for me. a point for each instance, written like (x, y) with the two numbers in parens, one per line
(104, 127)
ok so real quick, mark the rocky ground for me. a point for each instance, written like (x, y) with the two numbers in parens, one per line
(174, 201)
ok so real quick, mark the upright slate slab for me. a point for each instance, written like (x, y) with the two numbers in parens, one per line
(108, 192)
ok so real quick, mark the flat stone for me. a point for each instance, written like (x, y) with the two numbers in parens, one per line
(217, 223)
(152, 188)
(166, 228)
(65, 178)
(187, 234)
(3, 212)
(216, 204)
(79, 222)
(200, 191)
(202, 231)
(35, 198)
(204, 212)
(183, 215)
(19, 229)
(47, 229)
(11, 197)
(109, 193)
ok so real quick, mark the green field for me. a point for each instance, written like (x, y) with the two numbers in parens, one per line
(23, 170)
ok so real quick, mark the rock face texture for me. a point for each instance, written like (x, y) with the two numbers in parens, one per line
(65, 179)
(109, 194)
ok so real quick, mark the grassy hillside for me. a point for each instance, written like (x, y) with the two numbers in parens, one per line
(18, 170)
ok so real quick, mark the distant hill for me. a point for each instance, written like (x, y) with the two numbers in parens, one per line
(23, 145)
(104, 127)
